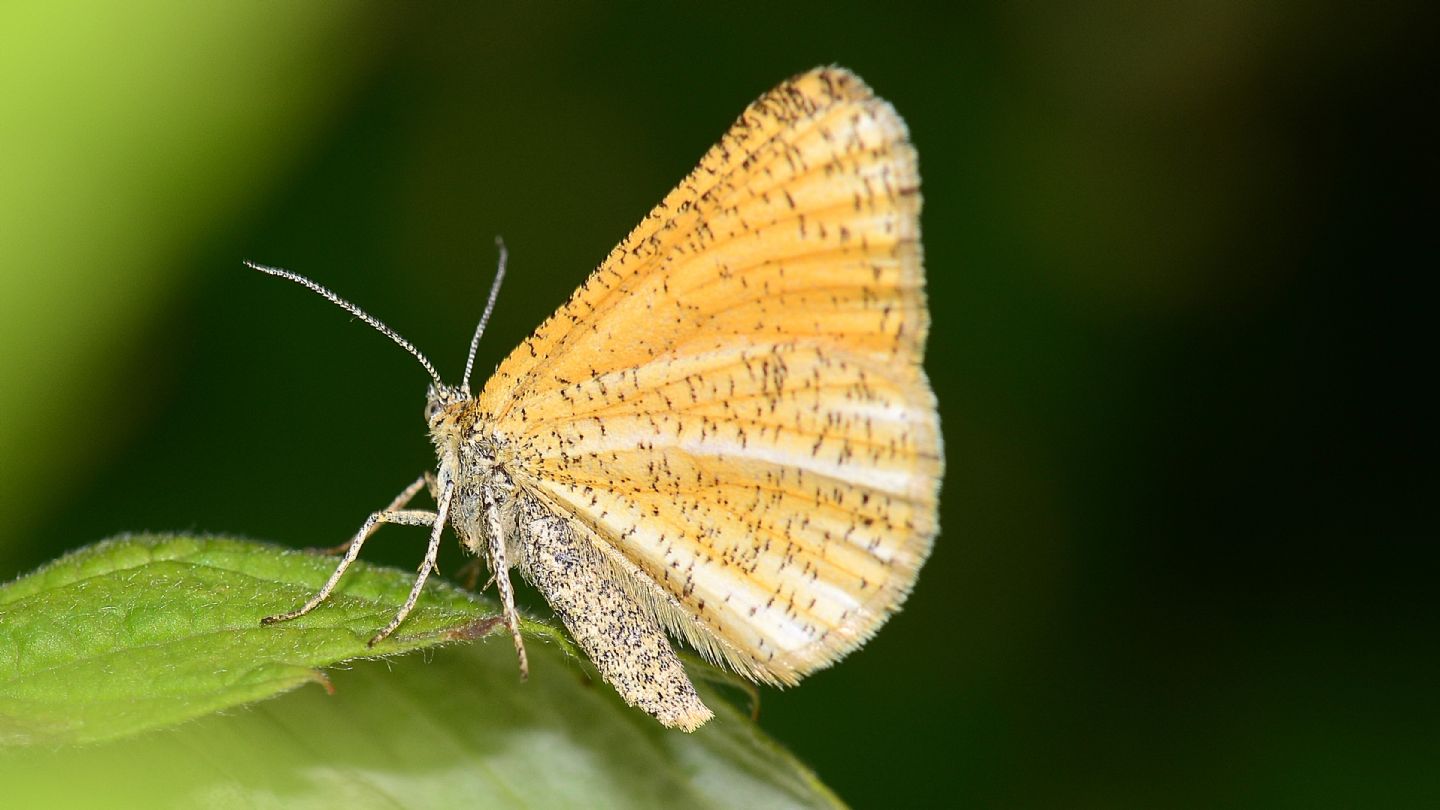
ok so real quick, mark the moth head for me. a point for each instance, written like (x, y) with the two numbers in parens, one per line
(441, 405)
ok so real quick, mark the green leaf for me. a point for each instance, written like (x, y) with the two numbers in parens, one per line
(142, 632)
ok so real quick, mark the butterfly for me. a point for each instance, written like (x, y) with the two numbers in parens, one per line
(726, 435)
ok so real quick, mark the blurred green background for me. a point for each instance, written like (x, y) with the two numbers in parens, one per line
(1186, 559)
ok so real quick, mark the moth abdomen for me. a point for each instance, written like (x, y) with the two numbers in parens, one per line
(624, 641)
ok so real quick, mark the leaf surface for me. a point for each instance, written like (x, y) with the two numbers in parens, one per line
(141, 633)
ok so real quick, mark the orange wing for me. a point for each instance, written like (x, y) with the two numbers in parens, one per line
(733, 405)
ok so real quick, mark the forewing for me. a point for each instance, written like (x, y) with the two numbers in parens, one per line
(733, 404)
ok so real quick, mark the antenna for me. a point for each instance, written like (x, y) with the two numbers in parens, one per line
(357, 312)
(485, 317)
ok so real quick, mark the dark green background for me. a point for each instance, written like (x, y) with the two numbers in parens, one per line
(1187, 558)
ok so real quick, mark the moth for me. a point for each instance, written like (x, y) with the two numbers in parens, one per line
(726, 435)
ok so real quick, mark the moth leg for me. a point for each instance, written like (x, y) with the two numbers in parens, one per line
(406, 495)
(403, 517)
(426, 566)
(501, 570)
